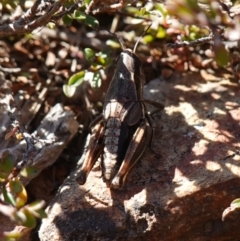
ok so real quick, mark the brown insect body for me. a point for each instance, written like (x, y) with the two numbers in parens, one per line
(122, 111)
(121, 134)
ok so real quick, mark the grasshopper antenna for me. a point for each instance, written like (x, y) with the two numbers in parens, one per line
(119, 40)
(136, 44)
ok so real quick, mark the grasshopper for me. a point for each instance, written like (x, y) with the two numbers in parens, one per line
(124, 129)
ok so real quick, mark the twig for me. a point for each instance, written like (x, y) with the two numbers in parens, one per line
(204, 40)
(107, 8)
(35, 6)
(67, 11)
(29, 20)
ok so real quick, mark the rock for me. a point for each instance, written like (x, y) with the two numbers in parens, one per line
(179, 194)
(55, 132)
(58, 125)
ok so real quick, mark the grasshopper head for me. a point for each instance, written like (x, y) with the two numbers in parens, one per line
(130, 60)
(129, 57)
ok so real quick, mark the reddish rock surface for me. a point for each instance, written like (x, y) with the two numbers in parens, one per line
(179, 194)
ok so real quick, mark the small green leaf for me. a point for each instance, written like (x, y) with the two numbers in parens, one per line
(161, 33)
(6, 164)
(102, 59)
(91, 22)
(236, 203)
(67, 19)
(38, 213)
(29, 171)
(142, 11)
(76, 79)
(192, 4)
(221, 55)
(113, 44)
(8, 197)
(148, 38)
(69, 90)
(89, 55)
(36, 209)
(86, 19)
(30, 221)
(162, 9)
(21, 198)
(87, 1)
(155, 13)
(27, 218)
(19, 216)
(132, 10)
(15, 186)
(79, 15)
(41, 214)
(36, 205)
(194, 28)
(51, 25)
(192, 36)
(233, 209)
(13, 235)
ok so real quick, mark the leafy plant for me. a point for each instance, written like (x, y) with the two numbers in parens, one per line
(13, 200)
(98, 62)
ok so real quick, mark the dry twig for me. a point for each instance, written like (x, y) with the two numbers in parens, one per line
(199, 41)
(32, 19)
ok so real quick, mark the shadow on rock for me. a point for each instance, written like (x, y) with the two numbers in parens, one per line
(179, 194)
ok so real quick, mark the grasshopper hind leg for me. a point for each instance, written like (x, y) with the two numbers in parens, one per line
(93, 151)
(135, 150)
(116, 143)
